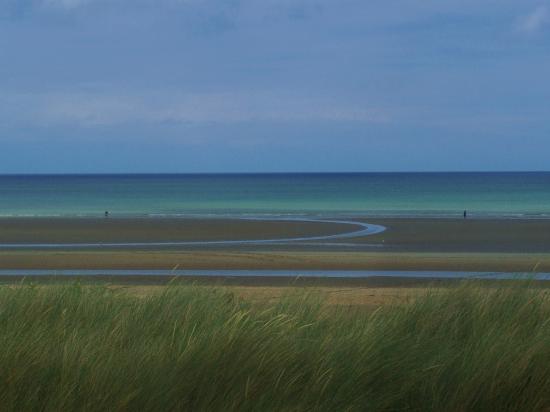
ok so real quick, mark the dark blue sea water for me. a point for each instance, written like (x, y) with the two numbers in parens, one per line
(404, 194)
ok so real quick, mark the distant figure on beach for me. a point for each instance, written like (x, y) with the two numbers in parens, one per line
(465, 214)
(107, 213)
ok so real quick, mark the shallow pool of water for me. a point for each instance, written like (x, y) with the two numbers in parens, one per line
(275, 273)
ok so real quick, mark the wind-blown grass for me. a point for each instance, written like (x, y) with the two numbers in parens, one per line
(194, 348)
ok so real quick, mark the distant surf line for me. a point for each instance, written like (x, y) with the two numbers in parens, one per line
(366, 229)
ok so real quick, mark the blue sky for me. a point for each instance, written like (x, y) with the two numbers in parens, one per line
(273, 85)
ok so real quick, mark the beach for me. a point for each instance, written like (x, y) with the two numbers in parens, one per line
(268, 222)
(507, 245)
(149, 230)
(401, 235)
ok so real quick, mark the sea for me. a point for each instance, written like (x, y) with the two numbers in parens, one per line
(505, 195)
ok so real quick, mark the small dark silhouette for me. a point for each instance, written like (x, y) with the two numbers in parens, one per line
(106, 213)
(465, 214)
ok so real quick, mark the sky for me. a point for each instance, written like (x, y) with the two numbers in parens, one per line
(119, 86)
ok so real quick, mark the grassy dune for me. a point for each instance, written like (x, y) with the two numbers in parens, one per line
(470, 347)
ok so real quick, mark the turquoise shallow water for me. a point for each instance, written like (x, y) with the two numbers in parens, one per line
(368, 194)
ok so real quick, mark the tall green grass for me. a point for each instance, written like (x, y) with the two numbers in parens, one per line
(200, 349)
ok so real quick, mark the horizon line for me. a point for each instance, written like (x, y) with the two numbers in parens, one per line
(269, 173)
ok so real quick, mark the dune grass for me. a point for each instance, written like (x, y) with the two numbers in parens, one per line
(72, 347)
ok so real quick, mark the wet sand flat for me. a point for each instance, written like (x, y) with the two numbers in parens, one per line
(459, 235)
(86, 230)
(405, 234)
(407, 244)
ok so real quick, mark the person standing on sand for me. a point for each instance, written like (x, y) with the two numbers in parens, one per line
(465, 214)
(106, 213)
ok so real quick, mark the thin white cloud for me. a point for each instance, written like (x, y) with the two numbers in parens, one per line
(65, 4)
(92, 109)
(239, 11)
(286, 4)
(535, 20)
